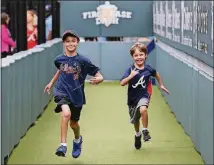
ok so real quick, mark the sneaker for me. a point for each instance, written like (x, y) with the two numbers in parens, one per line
(146, 136)
(77, 147)
(137, 142)
(61, 151)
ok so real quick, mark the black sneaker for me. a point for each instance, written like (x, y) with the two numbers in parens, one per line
(137, 142)
(146, 136)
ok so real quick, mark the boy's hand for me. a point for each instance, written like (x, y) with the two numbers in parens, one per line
(134, 72)
(164, 89)
(48, 87)
(96, 80)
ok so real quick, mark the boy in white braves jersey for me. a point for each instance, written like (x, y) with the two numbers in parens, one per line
(139, 90)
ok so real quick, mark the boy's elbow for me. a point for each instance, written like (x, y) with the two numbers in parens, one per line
(157, 75)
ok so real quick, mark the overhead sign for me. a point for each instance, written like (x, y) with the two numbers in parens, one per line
(107, 14)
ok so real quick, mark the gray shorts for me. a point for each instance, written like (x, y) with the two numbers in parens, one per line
(134, 111)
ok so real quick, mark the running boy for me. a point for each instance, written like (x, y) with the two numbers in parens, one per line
(69, 89)
(138, 77)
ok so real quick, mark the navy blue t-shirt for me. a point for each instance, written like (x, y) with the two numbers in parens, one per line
(138, 86)
(73, 72)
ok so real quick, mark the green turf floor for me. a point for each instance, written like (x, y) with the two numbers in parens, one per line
(108, 136)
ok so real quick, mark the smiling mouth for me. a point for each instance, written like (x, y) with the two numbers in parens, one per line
(139, 60)
(71, 47)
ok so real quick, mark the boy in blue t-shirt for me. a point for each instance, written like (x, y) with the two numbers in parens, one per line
(138, 77)
(69, 89)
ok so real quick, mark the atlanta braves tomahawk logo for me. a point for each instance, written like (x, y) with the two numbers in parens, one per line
(141, 82)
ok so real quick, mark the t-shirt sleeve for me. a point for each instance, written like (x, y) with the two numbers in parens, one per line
(57, 63)
(90, 68)
(152, 71)
(126, 73)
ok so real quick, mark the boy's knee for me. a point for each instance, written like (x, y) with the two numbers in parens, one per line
(143, 110)
(66, 113)
(74, 124)
(66, 116)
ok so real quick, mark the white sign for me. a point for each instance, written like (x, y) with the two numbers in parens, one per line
(107, 14)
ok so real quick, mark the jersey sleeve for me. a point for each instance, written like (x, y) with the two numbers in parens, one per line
(126, 73)
(90, 68)
(57, 63)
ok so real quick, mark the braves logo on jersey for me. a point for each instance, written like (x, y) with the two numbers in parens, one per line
(141, 82)
(75, 69)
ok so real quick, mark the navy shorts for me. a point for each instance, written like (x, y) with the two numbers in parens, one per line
(75, 111)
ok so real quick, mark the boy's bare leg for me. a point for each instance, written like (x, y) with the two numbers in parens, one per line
(137, 126)
(76, 128)
(77, 143)
(66, 115)
(144, 117)
(138, 135)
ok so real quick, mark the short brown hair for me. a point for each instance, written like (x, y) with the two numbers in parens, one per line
(141, 47)
(4, 17)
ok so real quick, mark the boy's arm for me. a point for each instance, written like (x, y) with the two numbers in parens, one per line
(98, 78)
(51, 83)
(93, 70)
(125, 80)
(158, 78)
(55, 77)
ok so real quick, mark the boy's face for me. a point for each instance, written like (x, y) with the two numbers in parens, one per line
(139, 57)
(71, 43)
